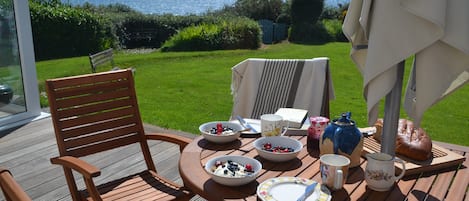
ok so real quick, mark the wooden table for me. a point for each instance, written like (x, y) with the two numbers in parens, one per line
(449, 183)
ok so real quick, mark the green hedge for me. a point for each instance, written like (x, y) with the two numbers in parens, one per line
(63, 31)
(241, 33)
(151, 31)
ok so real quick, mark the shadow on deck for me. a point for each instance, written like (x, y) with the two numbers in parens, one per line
(26, 151)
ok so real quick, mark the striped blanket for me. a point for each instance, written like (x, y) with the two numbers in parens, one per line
(261, 86)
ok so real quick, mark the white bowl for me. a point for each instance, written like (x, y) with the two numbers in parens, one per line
(233, 181)
(222, 138)
(275, 141)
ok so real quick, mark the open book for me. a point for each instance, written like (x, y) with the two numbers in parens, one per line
(295, 117)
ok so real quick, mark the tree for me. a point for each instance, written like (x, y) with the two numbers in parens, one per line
(306, 11)
(305, 27)
(259, 9)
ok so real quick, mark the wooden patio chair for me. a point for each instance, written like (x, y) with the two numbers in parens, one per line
(99, 112)
(11, 189)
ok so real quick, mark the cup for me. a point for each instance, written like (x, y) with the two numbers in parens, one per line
(315, 130)
(273, 125)
(380, 171)
(334, 170)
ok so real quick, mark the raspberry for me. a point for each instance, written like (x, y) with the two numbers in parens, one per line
(219, 128)
(248, 167)
(267, 146)
(279, 149)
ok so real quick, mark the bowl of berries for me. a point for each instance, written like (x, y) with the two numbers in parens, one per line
(233, 170)
(278, 148)
(220, 131)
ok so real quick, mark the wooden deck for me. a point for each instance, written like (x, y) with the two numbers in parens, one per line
(26, 151)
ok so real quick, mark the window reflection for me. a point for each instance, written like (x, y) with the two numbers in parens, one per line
(12, 99)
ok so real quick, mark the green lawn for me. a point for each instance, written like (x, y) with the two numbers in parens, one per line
(183, 90)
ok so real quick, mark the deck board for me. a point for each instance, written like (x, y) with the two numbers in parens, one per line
(26, 151)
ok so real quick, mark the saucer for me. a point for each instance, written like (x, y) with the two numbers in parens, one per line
(290, 188)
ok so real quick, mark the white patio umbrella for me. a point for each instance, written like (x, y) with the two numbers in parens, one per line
(384, 33)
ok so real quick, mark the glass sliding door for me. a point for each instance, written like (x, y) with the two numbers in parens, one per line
(19, 96)
(12, 100)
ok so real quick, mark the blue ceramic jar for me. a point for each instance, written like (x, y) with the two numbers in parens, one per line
(342, 136)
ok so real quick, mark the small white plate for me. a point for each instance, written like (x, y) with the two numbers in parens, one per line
(290, 188)
(255, 123)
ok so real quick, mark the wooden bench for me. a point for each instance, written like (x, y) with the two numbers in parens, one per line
(102, 58)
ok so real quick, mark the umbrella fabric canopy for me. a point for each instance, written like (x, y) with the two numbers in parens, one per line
(383, 33)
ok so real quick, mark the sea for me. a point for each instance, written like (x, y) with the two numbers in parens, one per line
(175, 7)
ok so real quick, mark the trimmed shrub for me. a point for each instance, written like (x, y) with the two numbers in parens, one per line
(306, 11)
(304, 16)
(234, 34)
(334, 28)
(261, 9)
(255, 9)
(62, 31)
(307, 33)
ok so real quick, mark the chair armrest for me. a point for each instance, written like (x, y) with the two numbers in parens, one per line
(87, 170)
(176, 139)
(4, 170)
(11, 189)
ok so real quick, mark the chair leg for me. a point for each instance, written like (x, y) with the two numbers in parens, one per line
(72, 187)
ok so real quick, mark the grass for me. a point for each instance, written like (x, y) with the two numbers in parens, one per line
(185, 89)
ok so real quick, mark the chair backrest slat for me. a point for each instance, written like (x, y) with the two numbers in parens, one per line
(101, 146)
(91, 109)
(74, 126)
(101, 58)
(102, 136)
(94, 125)
(89, 96)
(85, 89)
(61, 83)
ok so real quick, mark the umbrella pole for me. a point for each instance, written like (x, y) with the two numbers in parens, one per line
(391, 113)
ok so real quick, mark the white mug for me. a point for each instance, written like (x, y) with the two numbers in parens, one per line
(334, 170)
(380, 171)
(273, 125)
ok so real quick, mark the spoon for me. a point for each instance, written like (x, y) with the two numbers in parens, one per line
(308, 191)
(246, 129)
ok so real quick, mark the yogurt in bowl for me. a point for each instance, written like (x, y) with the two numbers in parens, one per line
(220, 131)
(233, 170)
(278, 148)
